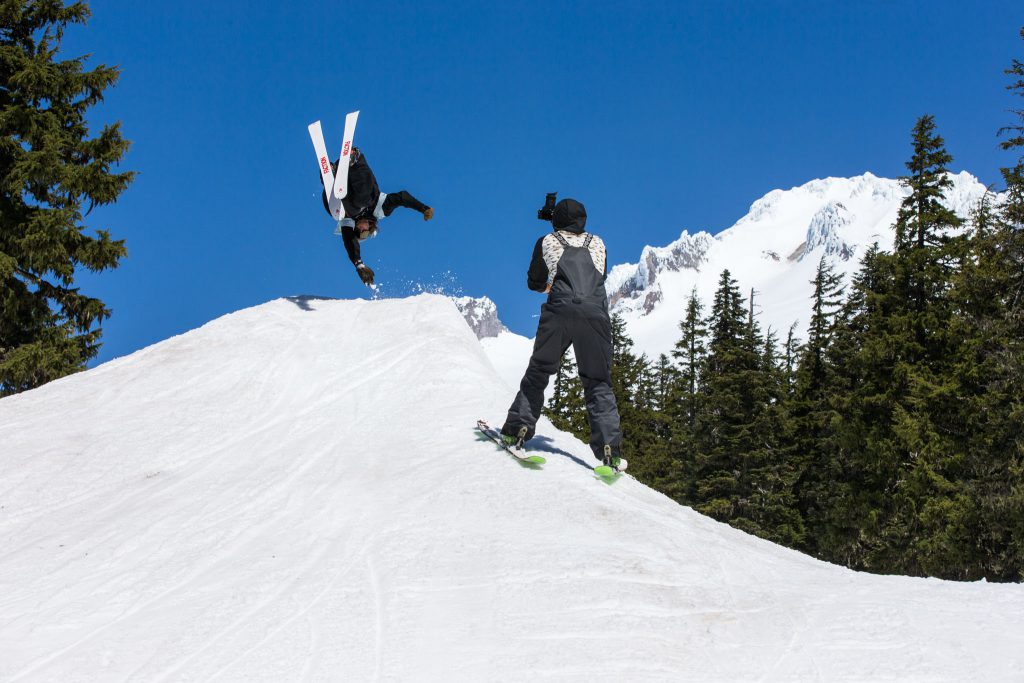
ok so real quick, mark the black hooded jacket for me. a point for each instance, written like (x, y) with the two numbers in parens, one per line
(363, 191)
(569, 215)
(363, 195)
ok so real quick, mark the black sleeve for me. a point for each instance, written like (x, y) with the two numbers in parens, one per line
(403, 198)
(348, 236)
(537, 276)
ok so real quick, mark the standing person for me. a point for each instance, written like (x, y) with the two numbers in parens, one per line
(364, 206)
(570, 266)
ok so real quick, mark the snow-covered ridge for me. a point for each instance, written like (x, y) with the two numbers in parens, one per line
(824, 231)
(773, 249)
(481, 315)
(628, 280)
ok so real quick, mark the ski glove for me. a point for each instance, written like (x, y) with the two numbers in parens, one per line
(365, 274)
(428, 213)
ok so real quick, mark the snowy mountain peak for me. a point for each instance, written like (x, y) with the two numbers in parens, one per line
(633, 280)
(481, 315)
(824, 231)
(763, 207)
(964, 194)
(773, 249)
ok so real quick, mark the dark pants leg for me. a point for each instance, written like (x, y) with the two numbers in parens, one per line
(587, 327)
(592, 345)
(548, 348)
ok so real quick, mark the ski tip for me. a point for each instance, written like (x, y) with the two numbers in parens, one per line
(535, 459)
(605, 472)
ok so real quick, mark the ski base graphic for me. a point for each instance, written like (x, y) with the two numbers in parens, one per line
(335, 185)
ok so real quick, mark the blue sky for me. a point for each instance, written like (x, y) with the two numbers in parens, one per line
(658, 116)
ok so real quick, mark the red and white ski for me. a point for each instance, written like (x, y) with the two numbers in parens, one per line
(326, 174)
(341, 179)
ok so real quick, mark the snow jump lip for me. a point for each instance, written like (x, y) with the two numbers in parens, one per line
(266, 497)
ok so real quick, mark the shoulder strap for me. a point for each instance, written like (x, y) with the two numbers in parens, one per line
(586, 242)
(561, 239)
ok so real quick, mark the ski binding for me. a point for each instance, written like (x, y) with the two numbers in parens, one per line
(515, 450)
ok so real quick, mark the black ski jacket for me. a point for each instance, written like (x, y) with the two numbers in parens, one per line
(363, 198)
(571, 217)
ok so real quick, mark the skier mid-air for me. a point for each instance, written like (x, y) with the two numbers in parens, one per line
(364, 206)
(570, 265)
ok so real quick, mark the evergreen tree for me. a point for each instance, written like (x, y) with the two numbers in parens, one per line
(667, 471)
(1013, 176)
(631, 393)
(861, 463)
(977, 527)
(766, 504)
(923, 263)
(51, 174)
(666, 378)
(1010, 234)
(722, 424)
(681, 403)
(689, 354)
(929, 426)
(626, 365)
(790, 360)
(648, 428)
(566, 408)
(809, 407)
(983, 528)
(827, 299)
(900, 434)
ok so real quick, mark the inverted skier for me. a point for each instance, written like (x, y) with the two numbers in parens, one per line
(364, 206)
(569, 265)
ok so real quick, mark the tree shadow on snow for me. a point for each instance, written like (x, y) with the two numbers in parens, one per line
(546, 444)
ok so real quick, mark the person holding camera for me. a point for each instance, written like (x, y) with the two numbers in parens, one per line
(364, 206)
(570, 265)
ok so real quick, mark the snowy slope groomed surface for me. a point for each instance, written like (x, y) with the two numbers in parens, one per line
(296, 492)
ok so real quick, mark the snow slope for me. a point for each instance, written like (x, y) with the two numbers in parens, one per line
(509, 354)
(295, 492)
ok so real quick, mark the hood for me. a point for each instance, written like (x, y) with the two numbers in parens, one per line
(569, 215)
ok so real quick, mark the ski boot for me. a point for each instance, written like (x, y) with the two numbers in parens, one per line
(516, 441)
(615, 462)
(515, 445)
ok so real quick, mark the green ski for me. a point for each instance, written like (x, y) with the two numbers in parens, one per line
(612, 469)
(515, 450)
(607, 473)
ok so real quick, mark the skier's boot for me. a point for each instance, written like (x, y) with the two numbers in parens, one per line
(516, 441)
(616, 462)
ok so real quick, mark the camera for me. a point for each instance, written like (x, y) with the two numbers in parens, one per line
(547, 212)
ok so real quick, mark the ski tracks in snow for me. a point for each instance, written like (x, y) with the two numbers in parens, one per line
(296, 493)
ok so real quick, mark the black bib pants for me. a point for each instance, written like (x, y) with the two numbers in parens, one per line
(576, 313)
